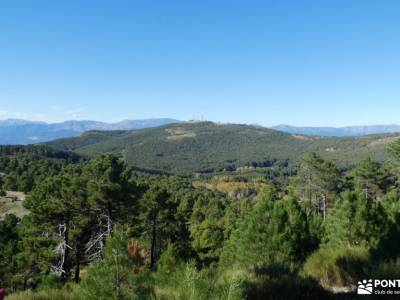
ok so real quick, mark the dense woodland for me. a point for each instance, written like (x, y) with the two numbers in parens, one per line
(208, 148)
(99, 229)
(23, 167)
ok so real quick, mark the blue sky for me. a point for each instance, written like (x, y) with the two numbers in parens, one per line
(267, 62)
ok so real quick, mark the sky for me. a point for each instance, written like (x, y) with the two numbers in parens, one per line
(315, 63)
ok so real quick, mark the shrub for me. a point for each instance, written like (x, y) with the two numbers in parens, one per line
(66, 293)
(273, 232)
(285, 287)
(338, 266)
(120, 275)
(188, 283)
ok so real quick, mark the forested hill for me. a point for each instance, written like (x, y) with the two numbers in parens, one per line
(191, 147)
(85, 139)
(22, 167)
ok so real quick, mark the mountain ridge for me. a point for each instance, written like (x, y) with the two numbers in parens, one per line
(18, 131)
(346, 131)
(187, 148)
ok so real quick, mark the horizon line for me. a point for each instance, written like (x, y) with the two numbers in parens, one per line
(195, 120)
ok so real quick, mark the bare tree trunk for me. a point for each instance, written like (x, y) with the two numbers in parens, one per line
(66, 264)
(109, 225)
(95, 246)
(61, 269)
(153, 244)
(77, 268)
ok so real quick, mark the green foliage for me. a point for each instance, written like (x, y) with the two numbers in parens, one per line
(8, 246)
(167, 265)
(2, 191)
(109, 186)
(102, 189)
(201, 243)
(394, 151)
(357, 220)
(274, 232)
(338, 266)
(34, 255)
(389, 245)
(26, 166)
(317, 183)
(54, 209)
(206, 147)
(66, 293)
(386, 269)
(186, 282)
(207, 225)
(84, 139)
(280, 284)
(115, 277)
(158, 219)
(372, 178)
(193, 285)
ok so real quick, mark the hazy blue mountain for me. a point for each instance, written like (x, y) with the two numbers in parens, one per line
(15, 131)
(339, 131)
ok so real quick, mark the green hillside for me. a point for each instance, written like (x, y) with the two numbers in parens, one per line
(84, 139)
(192, 147)
(22, 167)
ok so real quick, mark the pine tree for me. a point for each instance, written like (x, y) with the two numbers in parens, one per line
(316, 184)
(207, 225)
(274, 232)
(51, 206)
(339, 225)
(389, 245)
(59, 207)
(158, 219)
(370, 177)
(121, 274)
(357, 220)
(9, 238)
(35, 253)
(112, 197)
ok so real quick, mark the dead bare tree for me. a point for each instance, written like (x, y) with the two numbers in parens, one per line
(61, 251)
(95, 246)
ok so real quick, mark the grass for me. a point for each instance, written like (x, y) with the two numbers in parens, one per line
(338, 266)
(50, 294)
(12, 203)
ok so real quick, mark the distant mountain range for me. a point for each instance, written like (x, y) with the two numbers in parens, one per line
(339, 131)
(16, 131)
